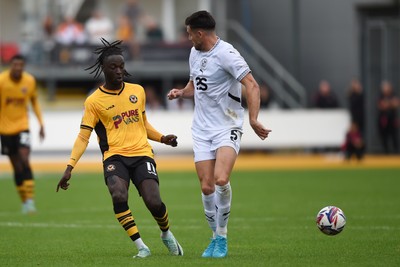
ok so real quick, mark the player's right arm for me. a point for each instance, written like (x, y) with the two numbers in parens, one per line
(79, 148)
(187, 92)
(89, 120)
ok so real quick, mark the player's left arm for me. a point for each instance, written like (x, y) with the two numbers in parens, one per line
(253, 104)
(155, 135)
(38, 113)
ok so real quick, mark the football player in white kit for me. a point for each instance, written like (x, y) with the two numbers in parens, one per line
(217, 73)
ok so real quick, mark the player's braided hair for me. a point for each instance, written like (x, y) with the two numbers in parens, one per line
(108, 49)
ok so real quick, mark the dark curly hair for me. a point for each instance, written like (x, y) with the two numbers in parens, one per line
(108, 49)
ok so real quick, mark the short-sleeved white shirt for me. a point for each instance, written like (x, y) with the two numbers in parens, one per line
(216, 75)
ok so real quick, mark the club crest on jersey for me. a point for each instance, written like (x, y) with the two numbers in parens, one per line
(133, 99)
(24, 90)
(203, 64)
(110, 168)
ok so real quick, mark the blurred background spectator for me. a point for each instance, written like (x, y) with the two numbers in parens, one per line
(388, 123)
(46, 45)
(356, 104)
(354, 143)
(99, 26)
(183, 36)
(154, 32)
(325, 97)
(153, 101)
(124, 30)
(133, 10)
(70, 32)
(126, 33)
(266, 98)
(48, 27)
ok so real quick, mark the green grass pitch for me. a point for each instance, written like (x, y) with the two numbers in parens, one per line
(272, 221)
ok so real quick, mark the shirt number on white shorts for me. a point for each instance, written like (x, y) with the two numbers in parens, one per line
(235, 134)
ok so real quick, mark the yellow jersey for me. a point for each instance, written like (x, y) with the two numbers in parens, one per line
(118, 117)
(14, 103)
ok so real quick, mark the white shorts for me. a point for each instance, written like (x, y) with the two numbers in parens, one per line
(206, 143)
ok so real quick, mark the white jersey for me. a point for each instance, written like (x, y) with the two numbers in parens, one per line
(216, 75)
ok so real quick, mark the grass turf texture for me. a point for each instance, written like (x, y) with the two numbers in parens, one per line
(272, 221)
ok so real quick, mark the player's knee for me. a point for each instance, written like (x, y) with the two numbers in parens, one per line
(221, 181)
(207, 189)
(119, 196)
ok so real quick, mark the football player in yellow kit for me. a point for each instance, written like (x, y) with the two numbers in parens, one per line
(116, 111)
(17, 92)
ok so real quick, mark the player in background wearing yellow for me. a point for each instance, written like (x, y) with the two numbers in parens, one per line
(17, 92)
(217, 73)
(116, 111)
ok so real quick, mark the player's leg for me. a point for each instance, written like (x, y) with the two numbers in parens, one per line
(146, 180)
(384, 140)
(28, 180)
(205, 173)
(394, 136)
(226, 157)
(359, 152)
(204, 159)
(10, 147)
(18, 178)
(227, 146)
(118, 188)
(349, 151)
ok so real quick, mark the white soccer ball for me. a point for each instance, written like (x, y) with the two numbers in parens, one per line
(331, 220)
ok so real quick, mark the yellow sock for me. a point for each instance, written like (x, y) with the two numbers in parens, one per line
(163, 221)
(29, 186)
(21, 193)
(127, 221)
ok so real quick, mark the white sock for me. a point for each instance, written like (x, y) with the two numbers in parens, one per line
(165, 234)
(223, 200)
(210, 210)
(139, 243)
